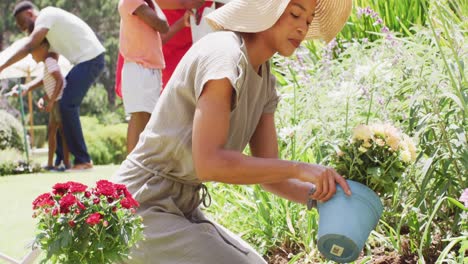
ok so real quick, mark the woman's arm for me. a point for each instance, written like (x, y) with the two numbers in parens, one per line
(180, 4)
(214, 163)
(264, 144)
(150, 17)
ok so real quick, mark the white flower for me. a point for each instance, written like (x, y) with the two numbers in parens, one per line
(346, 86)
(361, 71)
(340, 153)
(288, 132)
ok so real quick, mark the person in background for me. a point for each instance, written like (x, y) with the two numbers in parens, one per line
(71, 37)
(175, 48)
(143, 30)
(53, 83)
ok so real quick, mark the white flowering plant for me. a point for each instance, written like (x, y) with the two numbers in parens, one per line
(375, 155)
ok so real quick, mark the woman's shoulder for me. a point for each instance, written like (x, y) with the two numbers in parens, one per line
(224, 42)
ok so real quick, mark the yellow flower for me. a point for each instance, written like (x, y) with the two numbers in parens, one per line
(362, 132)
(405, 156)
(379, 130)
(392, 137)
(366, 144)
(380, 142)
(362, 149)
(409, 146)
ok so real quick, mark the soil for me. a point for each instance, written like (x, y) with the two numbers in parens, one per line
(381, 255)
(279, 256)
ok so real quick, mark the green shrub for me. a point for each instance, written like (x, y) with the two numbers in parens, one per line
(11, 132)
(106, 144)
(8, 161)
(95, 103)
(40, 136)
(112, 118)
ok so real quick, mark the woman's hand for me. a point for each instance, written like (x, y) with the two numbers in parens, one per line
(188, 13)
(324, 178)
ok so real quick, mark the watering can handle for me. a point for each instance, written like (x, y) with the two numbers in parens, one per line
(311, 203)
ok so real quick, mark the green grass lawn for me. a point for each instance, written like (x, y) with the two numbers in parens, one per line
(17, 227)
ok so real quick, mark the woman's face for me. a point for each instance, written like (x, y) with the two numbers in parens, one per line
(291, 28)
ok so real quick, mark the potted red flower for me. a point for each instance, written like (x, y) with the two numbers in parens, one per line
(78, 224)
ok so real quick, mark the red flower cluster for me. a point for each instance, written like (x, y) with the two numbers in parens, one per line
(101, 220)
(74, 197)
(43, 200)
(94, 219)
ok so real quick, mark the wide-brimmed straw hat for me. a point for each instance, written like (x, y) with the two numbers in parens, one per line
(259, 15)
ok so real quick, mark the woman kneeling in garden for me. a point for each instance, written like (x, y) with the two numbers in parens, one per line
(220, 98)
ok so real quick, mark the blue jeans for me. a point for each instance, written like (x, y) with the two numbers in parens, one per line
(79, 80)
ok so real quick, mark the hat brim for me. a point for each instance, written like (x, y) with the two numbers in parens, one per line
(253, 16)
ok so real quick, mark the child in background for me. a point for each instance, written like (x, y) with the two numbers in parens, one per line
(53, 83)
(141, 47)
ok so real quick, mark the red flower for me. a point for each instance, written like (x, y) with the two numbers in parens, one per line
(76, 187)
(61, 188)
(71, 223)
(43, 200)
(121, 189)
(87, 194)
(96, 200)
(107, 188)
(55, 211)
(81, 205)
(129, 202)
(93, 219)
(66, 202)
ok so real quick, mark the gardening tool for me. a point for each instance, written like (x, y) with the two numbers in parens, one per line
(25, 141)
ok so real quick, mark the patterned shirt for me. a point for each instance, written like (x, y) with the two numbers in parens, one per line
(50, 66)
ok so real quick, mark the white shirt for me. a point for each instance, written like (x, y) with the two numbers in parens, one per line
(68, 35)
(50, 66)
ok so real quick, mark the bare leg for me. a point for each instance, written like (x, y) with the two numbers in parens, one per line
(66, 152)
(136, 125)
(52, 142)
